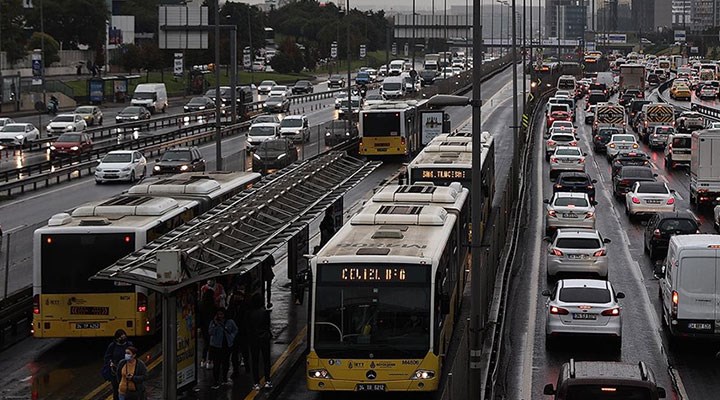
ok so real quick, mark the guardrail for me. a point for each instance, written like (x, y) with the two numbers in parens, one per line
(709, 112)
(15, 317)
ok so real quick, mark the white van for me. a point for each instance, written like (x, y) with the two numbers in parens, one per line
(393, 87)
(690, 286)
(396, 67)
(409, 82)
(152, 96)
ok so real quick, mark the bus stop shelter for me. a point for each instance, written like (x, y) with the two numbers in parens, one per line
(98, 92)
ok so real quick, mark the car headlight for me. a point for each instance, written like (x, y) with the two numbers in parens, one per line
(19, 137)
(183, 168)
(423, 374)
(281, 156)
(98, 169)
(48, 128)
(201, 108)
(126, 169)
(75, 148)
(186, 108)
(156, 168)
(256, 156)
(327, 133)
(87, 117)
(319, 374)
(69, 128)
(347, 133)
(134, 117)
(52, 147)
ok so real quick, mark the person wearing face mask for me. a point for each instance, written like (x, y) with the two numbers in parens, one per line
(115, 353)
(131, 376)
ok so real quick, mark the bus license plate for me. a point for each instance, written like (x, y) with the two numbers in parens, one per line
(87, 325)
(370, 387)
(699, 326)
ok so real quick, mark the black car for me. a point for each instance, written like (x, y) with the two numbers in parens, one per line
(337, 132)
(302, 87)
(277, 104)
(662, 226)
(637, 93)
(601, 87)
(628, 175)
(653, 80)
(575, 182)
(199, 104)
(274, 154)
(179, 159)
(632, 158)
(427, 77)
(132, 114)
(635, 108)
(596, 96)
(336, 81)
(626, 99)
(602, 137)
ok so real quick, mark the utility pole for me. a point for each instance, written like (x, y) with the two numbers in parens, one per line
(524, 55)
(349, 107)
(218, 102)
(413, 35)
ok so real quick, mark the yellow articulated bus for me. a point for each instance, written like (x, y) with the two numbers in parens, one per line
(385, 292)
(391, 128)
(75, 246)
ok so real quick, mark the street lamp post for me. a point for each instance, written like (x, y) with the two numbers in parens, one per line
(218, 102)
(501, 26)
(413, 35)
(349, 106)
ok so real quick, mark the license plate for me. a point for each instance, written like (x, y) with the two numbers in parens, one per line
(111, 176)
(87, 325)
(370, 387)
(569, 216)
(652, 201)
(585, 316)
(576, 256)
(700, 326)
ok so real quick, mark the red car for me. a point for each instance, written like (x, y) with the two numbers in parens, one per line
(72, 143)
(558, 116)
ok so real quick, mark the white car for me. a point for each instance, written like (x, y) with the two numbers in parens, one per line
(121, 165)
(562, 93)
(265, 87)
(339, 97)
(564, 125)
(4, 121)
(649, 198)
(620, 142)
(296, 128)
(558, 139)
(567, 158)
(18, 134)
(714, 125)
(583, 307)
(373, 99)
(569, 210)
(279, 90)
(66, 123)
(261, 132)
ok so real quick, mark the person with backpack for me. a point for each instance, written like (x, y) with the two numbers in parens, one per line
(258, 322)
(131, 373)
(115, 353)
(222, 336)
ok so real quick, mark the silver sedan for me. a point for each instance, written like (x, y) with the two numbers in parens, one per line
(620, 142)
(649, 198)
(567, 158)
(583, 307)
(577, 251)
(569, 210)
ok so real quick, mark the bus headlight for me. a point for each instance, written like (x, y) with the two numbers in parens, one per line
(423, 374)
(319, 374)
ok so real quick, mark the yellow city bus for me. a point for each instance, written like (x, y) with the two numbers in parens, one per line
(385, 292)
(390, 129)
(76, 245)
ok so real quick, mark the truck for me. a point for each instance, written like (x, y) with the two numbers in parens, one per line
(609, 115)
(655, 114)
(632, 76)
(705, 167)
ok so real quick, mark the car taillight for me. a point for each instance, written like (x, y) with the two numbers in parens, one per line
(599, 253)
(552, 213)
(624, 181)
(147, 325)
(671, 201)
(589, 214)
(142, 302)
(573, 143)
(402, 140)
(612, 312)
(581, 160)
(36, 304)
(551, 143)
(675, 302)
(553, 159)
(635, 200)
(558, 311)
(612, 145)
(558, 186)
(556, 252)
(657, 233)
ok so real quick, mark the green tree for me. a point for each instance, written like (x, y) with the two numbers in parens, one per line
(145, 13)
(282, 63)
(11, 25)
(73, 22)
(129, 58)
(51, 47)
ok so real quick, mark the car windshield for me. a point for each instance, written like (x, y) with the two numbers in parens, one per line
(374, 97)
(130, 111)
(176, 155)
(336, 78)
(607, 132)
(584, 295)
(261, 131)
(638, 172)
(571, 201)
(274, 99)
(562, 124)
(665, 130)
(84, 110)
(562, 138)
(144, 95)
(574, 179)
(265, 118)
(69, 138)
(567, 152)
(678, 224)
(267, 83)
(278, 88)
(392, 86)
(607, 392)
(578, 243)
(13, 128)
(623, 138)
(64, 118)
(273, 145)
(117, 158)
(681, 142)
(198, 100)
(291, 123)
(657, 188)
(302, 83)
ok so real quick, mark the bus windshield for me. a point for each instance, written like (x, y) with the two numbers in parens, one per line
(69, 260)
(381, 124)
(372, 311)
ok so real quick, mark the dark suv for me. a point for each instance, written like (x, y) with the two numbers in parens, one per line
(602, 138)
(632, 158)
(628, 175)
(302, 87)
(663, 225)
(179, 159)
(575, 182)
(605, 380)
